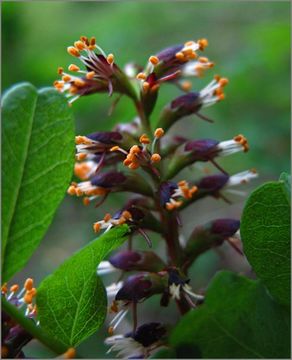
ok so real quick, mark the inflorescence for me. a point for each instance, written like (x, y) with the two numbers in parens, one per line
(146, 160)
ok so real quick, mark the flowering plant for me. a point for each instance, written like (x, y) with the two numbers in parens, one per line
(147, 161)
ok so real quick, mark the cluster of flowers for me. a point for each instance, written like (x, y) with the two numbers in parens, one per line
(136, 158)
(145, 160)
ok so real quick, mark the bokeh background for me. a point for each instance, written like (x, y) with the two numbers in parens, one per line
(250, 44)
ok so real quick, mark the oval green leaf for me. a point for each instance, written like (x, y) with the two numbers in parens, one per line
(265, 232)
(37, 163)
(239, 320)
(71, 302)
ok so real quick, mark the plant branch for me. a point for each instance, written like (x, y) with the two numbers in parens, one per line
(36, 331)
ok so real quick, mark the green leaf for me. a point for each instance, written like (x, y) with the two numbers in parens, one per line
(72, 302)
(265, 232)
(37, 162)
(238, 320)
(286, 180)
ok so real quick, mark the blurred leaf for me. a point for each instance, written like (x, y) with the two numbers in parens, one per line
(286, 179)
(265, 231)
(38, 143)
(237, 320)
(72, 302)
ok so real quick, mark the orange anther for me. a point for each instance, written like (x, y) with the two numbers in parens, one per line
(28, 285)
(170, 206)
(203, 59)
(144, 139)
(73, 67)
(154, 60)
(217, 77)
(92, 41)
(60, 70)
(27, 298)
(90, 75)
(146, 86)
(73, 90)
(134, 165)
(86, 201)
(79, 45)
(127, 162)
(141, 76)
(115, 148)
(66, 78)
(84, 39)
(14, 288)
(135, 149)
(96, 227)
(70, 353)
(107, 217)
(4, 288)
(186, 85)
(79, 83)
(127, 215)
(223, 81)
(155, 158)
(73, 51)
(158, 133)
(180, 56)
(110, 58)
(155, 88)
(110, 330)
(189, 43)
(203, 43)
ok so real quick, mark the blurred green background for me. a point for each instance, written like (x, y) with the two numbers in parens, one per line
(250, 44)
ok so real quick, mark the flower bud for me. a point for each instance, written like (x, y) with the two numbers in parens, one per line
(137, 260)
(109, 179)
(213, 183)
(141, 286)
(148, 334)
(209, 235)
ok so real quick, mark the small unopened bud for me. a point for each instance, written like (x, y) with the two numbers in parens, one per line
(137, 260)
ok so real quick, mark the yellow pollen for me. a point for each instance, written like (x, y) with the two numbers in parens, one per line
(186, 85)
(158, 133)
(155, 158)
(66, 78)
(144, 139)
(70, 353)
(141, 76)
(110, 58)
(154, 60)
(86, 201)
(14, 288)
(60, 70)
(107, 217)
(96, 227)
(73, 67)
(73, 51)
(90, 75)
(28, 285)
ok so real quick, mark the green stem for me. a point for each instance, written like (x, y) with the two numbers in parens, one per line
(144, 120)
(36, 331)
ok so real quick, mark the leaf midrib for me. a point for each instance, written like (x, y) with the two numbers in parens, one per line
(17, 190)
